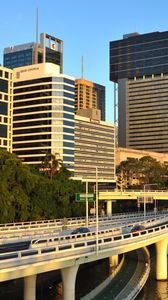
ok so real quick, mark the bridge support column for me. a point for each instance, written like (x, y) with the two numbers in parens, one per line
(109, 208)
(161, 260)
(69, 278)
(113, 260)
(30, 287)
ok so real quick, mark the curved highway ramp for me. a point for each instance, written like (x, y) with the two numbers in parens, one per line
(130, 280)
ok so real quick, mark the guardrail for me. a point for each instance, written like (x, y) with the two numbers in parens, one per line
(54, 222)
(51, 240)
(143, 279)
(45, 235)
(27, 223)
(138, 191)
(51, 222)
(50, 225)
(138, 280)
(55, 226)
(91, 295)
(77, 249)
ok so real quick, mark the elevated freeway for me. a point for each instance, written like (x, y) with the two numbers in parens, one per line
(141, 196)
(68, 252)
(12, 233)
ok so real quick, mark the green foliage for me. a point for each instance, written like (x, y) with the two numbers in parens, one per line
(138, 172)
(51, 164)
(127, 172)
(16, 183)
(152, 171)
(27, 194)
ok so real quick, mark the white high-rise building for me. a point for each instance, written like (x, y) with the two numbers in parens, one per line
(43, 114)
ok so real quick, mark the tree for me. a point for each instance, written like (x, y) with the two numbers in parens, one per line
(42, 204)
(128, 173)
(152, 171)
(16, 183)
(146, 170)
(27, 194)
(51, 164)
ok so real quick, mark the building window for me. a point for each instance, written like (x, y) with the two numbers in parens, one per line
(6, 74)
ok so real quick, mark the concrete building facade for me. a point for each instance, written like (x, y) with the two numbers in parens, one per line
(147, 113)
(94, 147)
(126, 153)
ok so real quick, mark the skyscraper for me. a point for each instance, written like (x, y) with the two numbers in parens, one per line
(43, 114)
(6, 108)
(89, 95)
(50, 49)
(139, 64)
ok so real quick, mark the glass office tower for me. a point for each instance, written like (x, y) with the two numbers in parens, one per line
(139, 64)
(89, 94)
(138, 55)
(50, 49)
(6, 108)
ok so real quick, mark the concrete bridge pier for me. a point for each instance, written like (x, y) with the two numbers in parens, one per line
(161, 260)
(113, 260)
(69, 278)
(109, 208)
(30, 287)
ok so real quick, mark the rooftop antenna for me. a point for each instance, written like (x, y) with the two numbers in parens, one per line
(36, 47)
(82, 67)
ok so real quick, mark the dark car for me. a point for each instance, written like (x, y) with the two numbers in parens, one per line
(80, 230)
(138, 228)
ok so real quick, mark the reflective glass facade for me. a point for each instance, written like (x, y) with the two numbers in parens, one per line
(138, 55)
(18, 58)
(6, 107)
(50, 49)
(89, 95)
(25, 57)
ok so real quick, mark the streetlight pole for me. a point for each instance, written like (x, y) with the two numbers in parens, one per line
(145, 185)
(144, 203)
(97, 217)
(87, 203)
(155, 208)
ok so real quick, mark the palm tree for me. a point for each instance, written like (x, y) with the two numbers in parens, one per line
(51, 164)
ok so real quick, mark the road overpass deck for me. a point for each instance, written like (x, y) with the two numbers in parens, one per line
(33, 261)
(114, 225)
(133, 194)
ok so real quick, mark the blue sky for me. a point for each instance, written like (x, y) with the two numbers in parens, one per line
(85, 26)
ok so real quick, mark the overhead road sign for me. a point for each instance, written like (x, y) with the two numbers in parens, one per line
(147, 199)
(83, 197)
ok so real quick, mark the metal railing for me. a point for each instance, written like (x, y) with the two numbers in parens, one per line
(105, 224)
(76, 249)
(51, 240)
